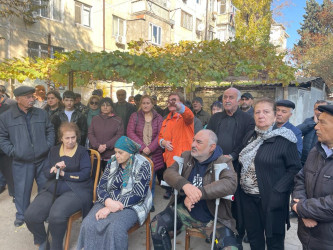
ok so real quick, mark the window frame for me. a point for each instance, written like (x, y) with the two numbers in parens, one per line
(219, 6)
(118, 26)
(151, 34)
(42, 49)
(48, 6)
(185, 17)
(82, 7)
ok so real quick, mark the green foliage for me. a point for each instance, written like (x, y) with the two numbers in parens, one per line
(185, 64)
(253, 21)
(313, 53)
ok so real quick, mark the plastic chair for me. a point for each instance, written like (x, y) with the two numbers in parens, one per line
(147, 221)
(93, 155)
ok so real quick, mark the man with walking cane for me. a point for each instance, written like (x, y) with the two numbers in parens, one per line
(198, 191)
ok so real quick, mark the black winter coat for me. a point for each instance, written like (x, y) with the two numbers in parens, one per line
(244, 124)
(314, 188)
(14, 136)
(276, 164)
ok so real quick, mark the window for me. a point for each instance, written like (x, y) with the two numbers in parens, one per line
(49, 9)
(82, 14)
(186, 21)
(198, 1)
(118, 26)
(155, 34)
(222, 6)
(41, 50)
(211, 33)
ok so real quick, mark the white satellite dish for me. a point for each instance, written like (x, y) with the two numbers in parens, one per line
(201, 27)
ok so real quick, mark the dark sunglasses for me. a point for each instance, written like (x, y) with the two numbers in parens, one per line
(93, 103)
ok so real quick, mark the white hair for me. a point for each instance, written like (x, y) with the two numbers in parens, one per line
(239, 94)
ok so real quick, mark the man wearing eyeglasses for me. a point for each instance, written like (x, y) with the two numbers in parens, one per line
(308, 132)
(26, 134)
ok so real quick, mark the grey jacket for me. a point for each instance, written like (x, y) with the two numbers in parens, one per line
(14, 136)
(211, 190)
(314, 188)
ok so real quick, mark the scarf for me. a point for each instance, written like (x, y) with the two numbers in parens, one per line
(91, 114)
(248, 154)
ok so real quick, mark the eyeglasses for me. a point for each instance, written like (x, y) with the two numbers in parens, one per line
(93, 103)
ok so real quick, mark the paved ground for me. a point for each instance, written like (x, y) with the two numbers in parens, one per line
(12, 238)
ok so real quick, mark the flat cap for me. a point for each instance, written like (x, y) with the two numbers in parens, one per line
(198, 99)
(286, 103)
(23, 90)
(326, 109)
(247, 95)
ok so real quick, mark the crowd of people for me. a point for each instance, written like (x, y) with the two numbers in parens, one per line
(275, 170)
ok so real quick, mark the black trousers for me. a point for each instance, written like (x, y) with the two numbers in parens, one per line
(6, 170)
(58, 213)
(254, 220)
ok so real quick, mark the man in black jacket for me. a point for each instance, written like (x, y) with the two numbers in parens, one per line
(313, 191)
(231, 126)
(26, 134)
(71, 114)
(123, 108)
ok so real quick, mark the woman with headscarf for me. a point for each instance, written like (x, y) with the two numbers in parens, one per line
(143, 128)
(269, 163)
(124, 198)
(105, 129)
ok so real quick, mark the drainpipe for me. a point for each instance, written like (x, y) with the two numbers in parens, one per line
(103, 24)
(206, 30)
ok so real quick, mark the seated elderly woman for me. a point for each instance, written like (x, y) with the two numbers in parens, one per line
(124, 198)
(72, 193)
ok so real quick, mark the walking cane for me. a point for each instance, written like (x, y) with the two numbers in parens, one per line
(218, 168)
(180, 162)
(47, 247)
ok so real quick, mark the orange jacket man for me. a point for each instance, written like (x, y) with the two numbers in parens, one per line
(177, 129)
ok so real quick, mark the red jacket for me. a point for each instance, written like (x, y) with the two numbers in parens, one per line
(179, 129)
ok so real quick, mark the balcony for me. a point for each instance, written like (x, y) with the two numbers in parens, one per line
(150, 7)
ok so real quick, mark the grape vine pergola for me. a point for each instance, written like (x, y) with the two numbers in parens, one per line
(185, 64)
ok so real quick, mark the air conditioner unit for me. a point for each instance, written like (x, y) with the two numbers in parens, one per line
(120, 39)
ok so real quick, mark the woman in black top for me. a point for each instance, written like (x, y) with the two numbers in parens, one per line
(269, 163)
(73, 193)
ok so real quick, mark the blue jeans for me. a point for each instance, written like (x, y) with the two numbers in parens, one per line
(24, 174)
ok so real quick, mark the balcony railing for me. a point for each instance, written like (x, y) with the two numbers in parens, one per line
(152, 7)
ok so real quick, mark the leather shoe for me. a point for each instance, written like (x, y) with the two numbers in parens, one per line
(18, 222)
(2, 188)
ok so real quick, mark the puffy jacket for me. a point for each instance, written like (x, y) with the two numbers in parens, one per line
(309, 137)
(211, 189)
(179, 129)
(314, 189)
(135, 132)
(14, 135)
